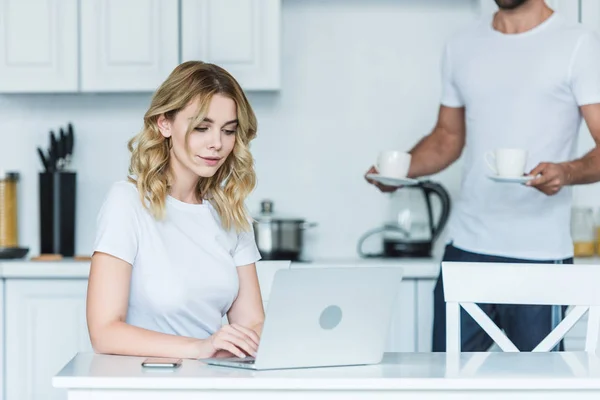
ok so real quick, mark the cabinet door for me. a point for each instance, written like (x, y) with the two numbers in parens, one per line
(38, 46)
(403, 326)
(242, 36)
(45, 327)
(575, 338)
(2, 342)
(568, 8)
(128, 46)
(590, 14)
(424, 311)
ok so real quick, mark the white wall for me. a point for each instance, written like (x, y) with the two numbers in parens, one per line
(359, 76)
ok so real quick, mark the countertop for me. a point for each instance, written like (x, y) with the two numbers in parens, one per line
(397, 371)
(414, 268)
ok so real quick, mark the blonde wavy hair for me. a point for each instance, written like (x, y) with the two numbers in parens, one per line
(228, 189)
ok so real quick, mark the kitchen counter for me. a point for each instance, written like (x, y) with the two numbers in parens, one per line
(425, 268)
(414, 268)
(551, 375)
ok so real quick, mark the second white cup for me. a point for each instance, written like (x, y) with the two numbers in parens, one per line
(393, 163)
(509, 163)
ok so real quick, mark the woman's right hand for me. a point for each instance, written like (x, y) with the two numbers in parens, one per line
(233, 338)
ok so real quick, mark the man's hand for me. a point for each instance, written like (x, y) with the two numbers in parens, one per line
(552, 177)
(382, 187)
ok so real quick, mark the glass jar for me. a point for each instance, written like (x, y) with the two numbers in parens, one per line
(583, 231)
(8, 209)
(597, 230)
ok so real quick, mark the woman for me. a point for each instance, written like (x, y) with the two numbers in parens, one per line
(174, 250)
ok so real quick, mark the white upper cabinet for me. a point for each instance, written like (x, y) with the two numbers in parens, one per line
(49, 46)
(242, 36)
(128, 45)
(38, 46)
(590, 14)
(568, 8)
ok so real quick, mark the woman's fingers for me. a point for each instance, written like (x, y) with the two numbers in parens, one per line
(247, 345)
(249, 332)
(223, 344)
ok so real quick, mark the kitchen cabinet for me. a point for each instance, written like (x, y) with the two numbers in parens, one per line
(38, 46)
(246, 41)
(44, 327)
(2, 342)
(402, 336)
(568, 8)
(575, 339)
(128, 46)
(51, 46)
(590, 14)
(424, 313)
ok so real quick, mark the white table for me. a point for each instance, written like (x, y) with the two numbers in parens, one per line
(399, 376)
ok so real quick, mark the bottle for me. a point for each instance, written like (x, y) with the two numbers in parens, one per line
(597, 233)
(583, 232)
(9, 237)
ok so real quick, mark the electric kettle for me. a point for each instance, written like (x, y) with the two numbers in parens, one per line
(410, 229)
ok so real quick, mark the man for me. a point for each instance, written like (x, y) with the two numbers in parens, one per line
(522, 78)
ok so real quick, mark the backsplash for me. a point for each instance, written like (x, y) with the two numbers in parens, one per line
(358, 77)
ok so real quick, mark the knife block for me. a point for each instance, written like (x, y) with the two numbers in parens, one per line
(57, 212)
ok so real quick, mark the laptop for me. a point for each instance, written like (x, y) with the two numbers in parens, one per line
(324, 317)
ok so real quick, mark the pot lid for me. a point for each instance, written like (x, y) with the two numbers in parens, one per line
(267, 214)
(9, 175)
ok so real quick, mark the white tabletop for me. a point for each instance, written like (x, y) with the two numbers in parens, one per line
(398, 371)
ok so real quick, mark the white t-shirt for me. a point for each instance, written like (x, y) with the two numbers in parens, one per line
(184, 276)
(522, 90)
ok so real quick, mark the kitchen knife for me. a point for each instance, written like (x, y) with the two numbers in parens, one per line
(69, 144)
(51, 160)
(60, 146)
(52, 152)
(43, 158)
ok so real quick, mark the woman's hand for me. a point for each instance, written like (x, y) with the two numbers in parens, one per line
(232, 338)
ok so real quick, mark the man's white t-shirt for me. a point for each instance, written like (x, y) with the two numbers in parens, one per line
(184, 276)
(519, 91)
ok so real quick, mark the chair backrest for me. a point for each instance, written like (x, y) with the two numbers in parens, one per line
(467, 283)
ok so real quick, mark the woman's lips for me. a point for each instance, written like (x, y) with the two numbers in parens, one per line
(210, 161)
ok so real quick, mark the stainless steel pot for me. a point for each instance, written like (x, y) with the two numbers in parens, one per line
(279, 238)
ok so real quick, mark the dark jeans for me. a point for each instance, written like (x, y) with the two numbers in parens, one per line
(525, 325)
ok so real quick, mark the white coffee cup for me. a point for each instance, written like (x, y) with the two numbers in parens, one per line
(393, 163)
(508, 163)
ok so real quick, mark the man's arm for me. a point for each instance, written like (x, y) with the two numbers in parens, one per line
(581, 171)
(442, 147)
(437, 150)
(587, 168)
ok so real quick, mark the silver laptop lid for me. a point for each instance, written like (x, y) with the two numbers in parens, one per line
(328, 316)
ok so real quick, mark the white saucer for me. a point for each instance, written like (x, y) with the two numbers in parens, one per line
(389, 181)
(512, 179)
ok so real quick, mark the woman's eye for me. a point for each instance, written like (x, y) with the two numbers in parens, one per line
(201, 128)
(229, 132)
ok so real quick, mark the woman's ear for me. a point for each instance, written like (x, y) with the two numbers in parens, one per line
(164, 125)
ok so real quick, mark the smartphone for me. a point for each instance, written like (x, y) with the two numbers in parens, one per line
(158, 362)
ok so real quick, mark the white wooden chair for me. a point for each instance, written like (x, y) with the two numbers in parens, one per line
(467, 283)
